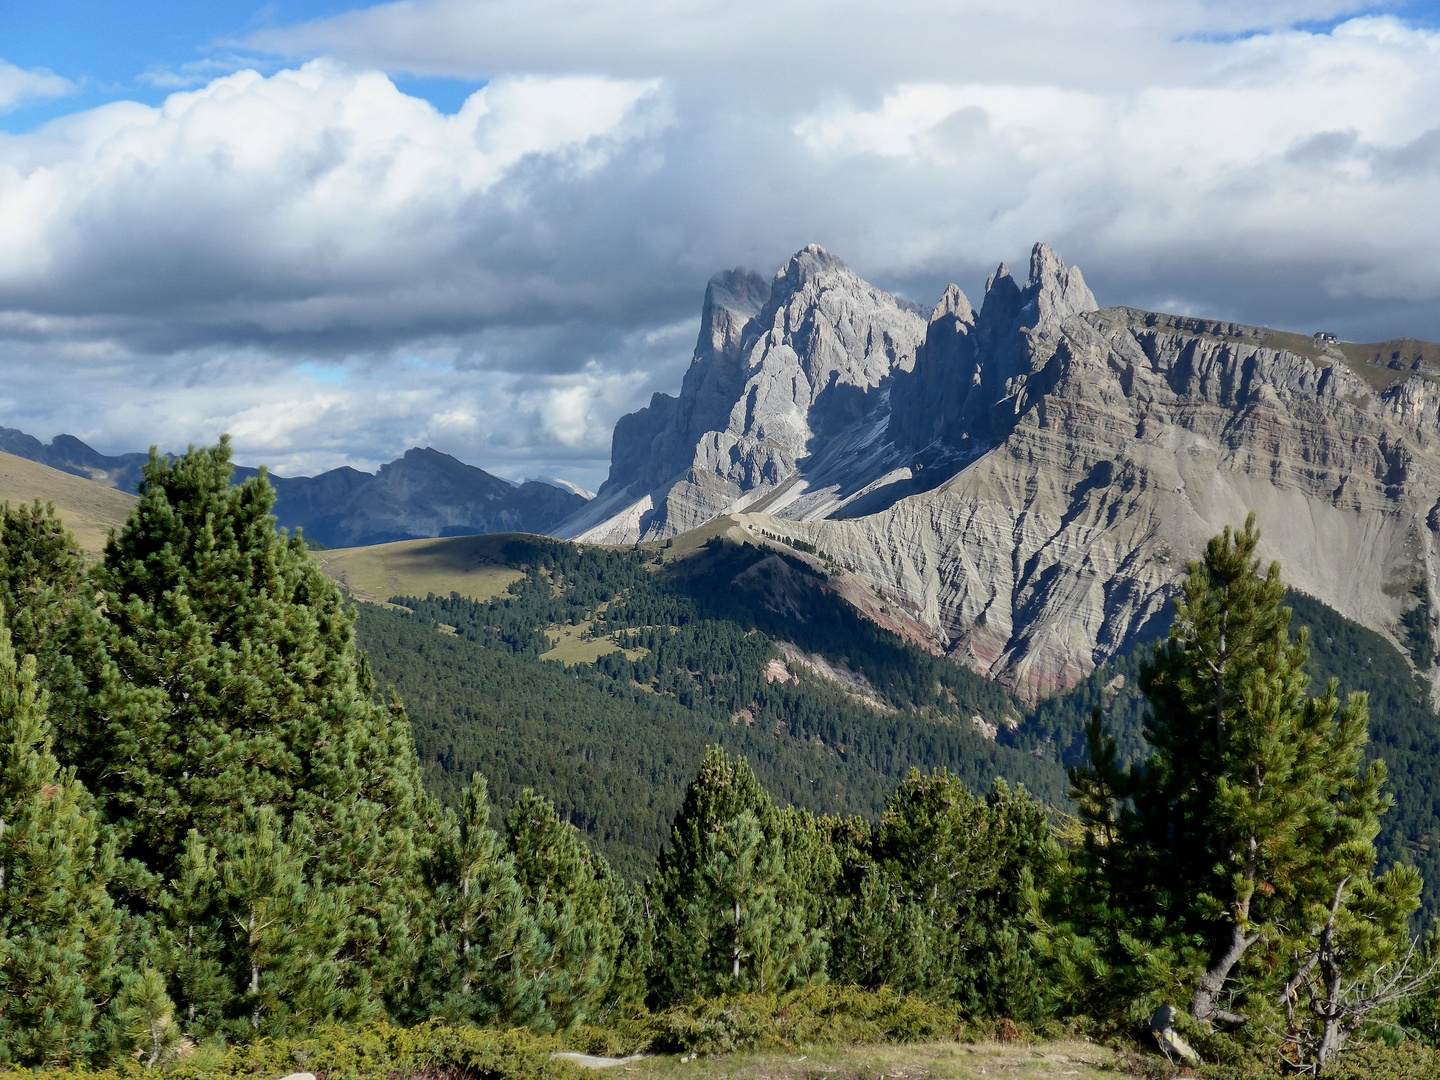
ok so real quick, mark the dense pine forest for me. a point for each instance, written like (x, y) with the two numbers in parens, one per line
(227, 846)
(614, 743)
(611, 743)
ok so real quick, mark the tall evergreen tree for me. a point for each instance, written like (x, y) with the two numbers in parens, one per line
(49, 602)
(1254, 810)
(729, 916)
(230, 682)
(59, 936)
(253, 939)
(569, 896)
(486, 959)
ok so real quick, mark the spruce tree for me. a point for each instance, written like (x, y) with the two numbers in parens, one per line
(230, 682)
(59, 935)
(485, 958)
(729, 916)
(1219, 853)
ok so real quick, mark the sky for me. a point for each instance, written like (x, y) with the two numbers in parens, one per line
(339, 231)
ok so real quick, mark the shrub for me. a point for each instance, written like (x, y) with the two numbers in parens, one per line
(379, 1052)
(811, 1016)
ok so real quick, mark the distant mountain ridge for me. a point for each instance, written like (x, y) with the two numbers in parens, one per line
(1027, 481)
(422, 495)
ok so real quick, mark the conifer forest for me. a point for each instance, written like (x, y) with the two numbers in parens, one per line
(240, 812)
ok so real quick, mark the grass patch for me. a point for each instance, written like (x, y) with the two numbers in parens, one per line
(89, 510)
(472, 566)
(926, 1061)
(572, 645)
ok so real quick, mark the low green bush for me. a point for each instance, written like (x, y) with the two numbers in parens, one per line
(1379, 1061)
(378, 1052)
(811, 1016)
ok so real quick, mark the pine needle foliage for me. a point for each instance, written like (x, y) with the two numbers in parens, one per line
(486, 959)
(59, 935)
(583, 913)
(230, 683)
(1211, 866)
(50, 606)
(729, 910)
(948, 903)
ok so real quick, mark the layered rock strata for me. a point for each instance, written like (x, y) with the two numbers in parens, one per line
(1082, 455)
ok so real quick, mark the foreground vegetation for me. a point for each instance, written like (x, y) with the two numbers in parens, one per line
(216, 835)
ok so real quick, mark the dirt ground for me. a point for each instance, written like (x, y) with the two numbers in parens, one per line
(932, 1061)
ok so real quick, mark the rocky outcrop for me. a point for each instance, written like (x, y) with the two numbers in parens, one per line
(784, 404)
(1134, 442)
(1027, 482)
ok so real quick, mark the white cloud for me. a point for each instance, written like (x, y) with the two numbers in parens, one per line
(194, 73)
(335, 271)
(19, 86)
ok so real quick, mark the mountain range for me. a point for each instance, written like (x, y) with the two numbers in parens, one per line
(1026, 482)
(424, 494)
(1018, 487)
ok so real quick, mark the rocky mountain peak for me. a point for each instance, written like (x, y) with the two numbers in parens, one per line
(955, 305)
(1000, 280)
(808, 264)
(1059, 291)
(1025, 480)
(783, 373)
(732, 299)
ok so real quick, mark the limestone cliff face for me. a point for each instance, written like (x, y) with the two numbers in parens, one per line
(785, 387)
(1027, 483)
(1135, 441)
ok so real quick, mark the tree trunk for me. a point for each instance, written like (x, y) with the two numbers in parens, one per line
(735, 973)
(1203, 1005)
(254, 980)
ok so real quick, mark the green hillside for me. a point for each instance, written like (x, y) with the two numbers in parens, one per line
(683, 648)
(687, 647)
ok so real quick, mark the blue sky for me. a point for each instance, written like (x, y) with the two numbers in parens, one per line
(115, 50)
(486, 225)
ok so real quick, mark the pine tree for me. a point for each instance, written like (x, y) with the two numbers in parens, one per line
(147, 1015)
(229, 683)
(1251, 816)
(729, 917)
(253, 939)
(569, 897)
(59, 936)
(635, 952)
(485, 960)
(49, 601)
(949, 907)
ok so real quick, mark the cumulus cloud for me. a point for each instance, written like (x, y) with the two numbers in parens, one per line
(335, 271)
(19, 86)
